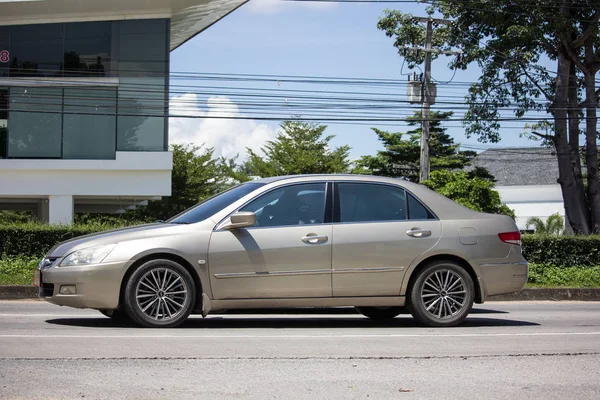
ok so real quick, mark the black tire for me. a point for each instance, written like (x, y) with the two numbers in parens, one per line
(119, 316)
(442, 295)
(380, 313)
(147, 302)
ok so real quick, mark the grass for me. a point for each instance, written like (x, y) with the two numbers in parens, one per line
(19, 271)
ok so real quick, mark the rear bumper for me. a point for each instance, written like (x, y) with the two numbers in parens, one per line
(98, 286)
(504, 277)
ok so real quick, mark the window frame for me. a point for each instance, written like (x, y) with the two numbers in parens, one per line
(327, 208)
(337, 205)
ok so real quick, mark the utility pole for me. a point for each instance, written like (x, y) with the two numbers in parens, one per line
(425, 135)
(427, 97)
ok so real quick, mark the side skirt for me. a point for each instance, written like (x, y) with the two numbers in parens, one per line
(384, 301)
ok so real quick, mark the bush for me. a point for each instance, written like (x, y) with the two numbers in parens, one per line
(17, 270)
(35, 239)
(562, 251)
(552, 276)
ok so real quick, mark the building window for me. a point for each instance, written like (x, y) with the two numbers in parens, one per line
(89, 123)
(35, 123)
(122, 107)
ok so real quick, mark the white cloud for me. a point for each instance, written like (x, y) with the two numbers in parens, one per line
(229, 137)
(275, 6)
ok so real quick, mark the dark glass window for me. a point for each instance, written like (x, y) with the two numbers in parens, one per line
(416, 210)
(36, 50)
(143, 48)
(4, 50)
(34, 122)
(364, 202)
(290, 205)
(87, 49)
(89, 123)
(213, 205)
(3, 121)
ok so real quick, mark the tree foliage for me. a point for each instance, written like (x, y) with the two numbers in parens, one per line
(299, 148)
(554, 225)
(471, 191)
(196, 175)
(508, 40)
(401, 154)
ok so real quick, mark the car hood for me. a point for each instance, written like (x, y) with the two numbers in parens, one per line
(114, 236)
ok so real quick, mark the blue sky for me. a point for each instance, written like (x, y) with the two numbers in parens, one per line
(272, 37)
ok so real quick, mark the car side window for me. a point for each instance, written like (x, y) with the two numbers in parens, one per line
(416, 210)
(290, 205)
(363, 202)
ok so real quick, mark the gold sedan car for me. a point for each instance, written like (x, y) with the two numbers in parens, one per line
(378, 244)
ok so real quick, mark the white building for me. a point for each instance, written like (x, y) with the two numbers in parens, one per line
(526, 179)
(84, 89)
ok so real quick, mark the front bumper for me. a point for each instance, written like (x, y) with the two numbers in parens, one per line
(98, 285)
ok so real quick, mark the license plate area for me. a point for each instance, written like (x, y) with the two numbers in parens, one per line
(37, 278)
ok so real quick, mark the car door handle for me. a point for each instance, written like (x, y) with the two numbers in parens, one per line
(418, 233)
(313, 238)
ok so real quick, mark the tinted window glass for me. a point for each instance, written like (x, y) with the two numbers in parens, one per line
(35, 122)
(360, 202)
(290, 205)
(89, 123)
(417, 210)
(4, 50)
(87, 49)
(36, 50)
(215, 204)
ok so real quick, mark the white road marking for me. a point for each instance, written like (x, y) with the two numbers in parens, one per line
(350, 336)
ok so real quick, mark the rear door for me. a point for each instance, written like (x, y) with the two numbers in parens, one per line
(378, 231)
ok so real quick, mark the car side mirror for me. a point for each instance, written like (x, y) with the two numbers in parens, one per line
(240, 219)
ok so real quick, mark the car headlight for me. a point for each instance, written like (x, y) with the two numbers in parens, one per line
(91, 255)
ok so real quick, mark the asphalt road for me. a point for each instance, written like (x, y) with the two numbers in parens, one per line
(505, 350)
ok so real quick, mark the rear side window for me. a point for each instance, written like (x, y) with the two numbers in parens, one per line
(416, 210)
(364, 202)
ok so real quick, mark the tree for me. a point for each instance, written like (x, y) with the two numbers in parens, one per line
(508, 39)
(401, 156)
(471, 191)
(554, 225)
(299, 148)
(196, 175)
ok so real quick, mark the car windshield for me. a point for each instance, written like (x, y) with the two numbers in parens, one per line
(214, 204)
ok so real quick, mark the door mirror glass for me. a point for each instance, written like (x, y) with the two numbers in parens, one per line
(240, 219)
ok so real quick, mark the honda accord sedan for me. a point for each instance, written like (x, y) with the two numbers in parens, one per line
(381, 245)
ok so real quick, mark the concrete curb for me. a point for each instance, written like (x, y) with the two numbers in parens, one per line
(16, 292)
(557, 294)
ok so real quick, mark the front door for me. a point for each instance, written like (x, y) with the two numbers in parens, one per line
(380, 230)
(286, 254)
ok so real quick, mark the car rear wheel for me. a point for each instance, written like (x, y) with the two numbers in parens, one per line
(442, 295)
(380, 312)
(160, 294)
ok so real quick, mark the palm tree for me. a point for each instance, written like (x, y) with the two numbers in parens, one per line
(554, 225)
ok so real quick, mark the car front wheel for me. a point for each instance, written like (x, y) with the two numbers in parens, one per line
(442, 295)
(160, 294)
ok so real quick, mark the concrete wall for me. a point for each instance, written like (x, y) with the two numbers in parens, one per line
(532, 201)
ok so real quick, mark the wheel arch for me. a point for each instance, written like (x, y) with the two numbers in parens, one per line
(408, 283)
(166, 256)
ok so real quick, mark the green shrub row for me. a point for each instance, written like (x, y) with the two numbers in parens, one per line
(36, 239)
(562, 251)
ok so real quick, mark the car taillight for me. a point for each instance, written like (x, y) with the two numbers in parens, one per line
(511, 237)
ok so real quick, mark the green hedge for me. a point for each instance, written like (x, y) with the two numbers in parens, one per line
(34, 240)
(562, 251)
